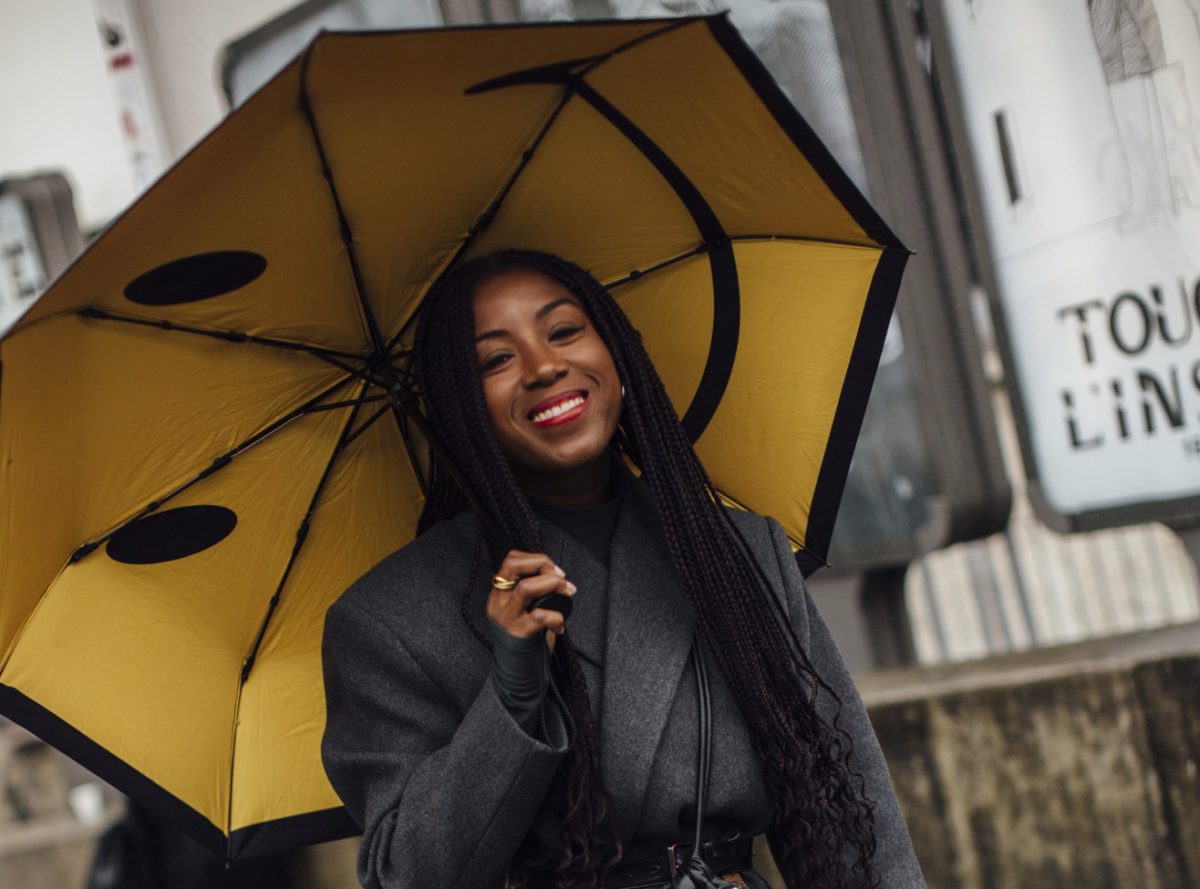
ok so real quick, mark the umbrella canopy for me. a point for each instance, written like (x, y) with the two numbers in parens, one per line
(204, 437)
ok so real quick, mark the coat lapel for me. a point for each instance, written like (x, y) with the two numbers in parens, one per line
(649, 635)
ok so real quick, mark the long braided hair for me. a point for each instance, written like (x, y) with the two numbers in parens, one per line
(822, 834)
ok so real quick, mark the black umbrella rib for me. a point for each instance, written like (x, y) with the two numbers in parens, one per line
(344, 230)
(485, 219)
(666, 263)
(406, 436)
(217, 464)
(301, 536)
(637, 41)
(832, 242)
(488, 216)
(368, 423)
(553, 74)
(334, 357)
(705, 247)
(353, 402)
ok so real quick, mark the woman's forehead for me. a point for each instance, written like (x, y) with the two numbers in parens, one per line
(519, 295)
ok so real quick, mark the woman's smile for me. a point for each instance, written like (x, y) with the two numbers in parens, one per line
(560, 409)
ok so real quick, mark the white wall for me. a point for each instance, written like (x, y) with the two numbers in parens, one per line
(56, 107)
(184, 39)
(56, 104)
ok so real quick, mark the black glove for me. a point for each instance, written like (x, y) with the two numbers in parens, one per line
(696, 874)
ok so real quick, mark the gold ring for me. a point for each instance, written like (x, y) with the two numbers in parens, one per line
(502, 583)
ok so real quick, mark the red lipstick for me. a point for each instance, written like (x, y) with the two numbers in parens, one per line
(559, 409)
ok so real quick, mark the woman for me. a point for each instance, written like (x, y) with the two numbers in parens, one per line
(463, 764)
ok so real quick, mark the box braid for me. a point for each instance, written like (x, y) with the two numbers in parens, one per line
(822, 834)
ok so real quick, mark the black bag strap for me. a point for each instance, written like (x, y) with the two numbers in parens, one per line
(704, 752)
(695, 872)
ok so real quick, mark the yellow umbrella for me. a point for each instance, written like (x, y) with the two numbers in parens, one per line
(198, 452)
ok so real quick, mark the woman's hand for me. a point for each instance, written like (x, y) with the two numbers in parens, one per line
(536, 576)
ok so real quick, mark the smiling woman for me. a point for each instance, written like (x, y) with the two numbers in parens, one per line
(473, 756)
(550, 386)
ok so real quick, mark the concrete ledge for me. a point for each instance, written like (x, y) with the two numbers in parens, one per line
(1072, 767)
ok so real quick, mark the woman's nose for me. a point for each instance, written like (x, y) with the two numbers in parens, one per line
(543, 367)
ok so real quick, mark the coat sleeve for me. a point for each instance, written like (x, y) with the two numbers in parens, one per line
(444, 798)
(894, 855)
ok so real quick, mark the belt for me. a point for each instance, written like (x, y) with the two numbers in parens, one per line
(649, 867)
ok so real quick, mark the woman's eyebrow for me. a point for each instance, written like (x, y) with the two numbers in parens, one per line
(551, 306)
(491, 334)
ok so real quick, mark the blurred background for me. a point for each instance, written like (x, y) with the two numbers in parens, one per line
(1013, 574)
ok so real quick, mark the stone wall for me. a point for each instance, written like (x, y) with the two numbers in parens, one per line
(1075, 767)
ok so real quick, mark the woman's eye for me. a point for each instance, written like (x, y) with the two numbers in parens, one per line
(567, 330)
(494, 361)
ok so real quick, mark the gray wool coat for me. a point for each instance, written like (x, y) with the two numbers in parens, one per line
(446, 785)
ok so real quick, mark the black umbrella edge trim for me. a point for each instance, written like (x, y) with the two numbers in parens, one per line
(852, 406)
(282, 834)
(792, 123)
(330, 35)
(807, 561)
(96, 759)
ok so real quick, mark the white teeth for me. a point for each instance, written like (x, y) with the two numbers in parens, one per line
(561, 408)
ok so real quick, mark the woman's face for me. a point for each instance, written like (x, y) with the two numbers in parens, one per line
(548, 379)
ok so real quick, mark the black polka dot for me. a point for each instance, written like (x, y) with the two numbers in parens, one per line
(195, 278)
(171, 534)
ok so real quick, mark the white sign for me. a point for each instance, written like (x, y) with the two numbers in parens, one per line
(1084, 117)
(132, 84)
(22, 276)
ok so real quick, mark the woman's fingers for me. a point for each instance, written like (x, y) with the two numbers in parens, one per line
(529, 588)
(548, 620)
(534, 575)
(519, 564)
